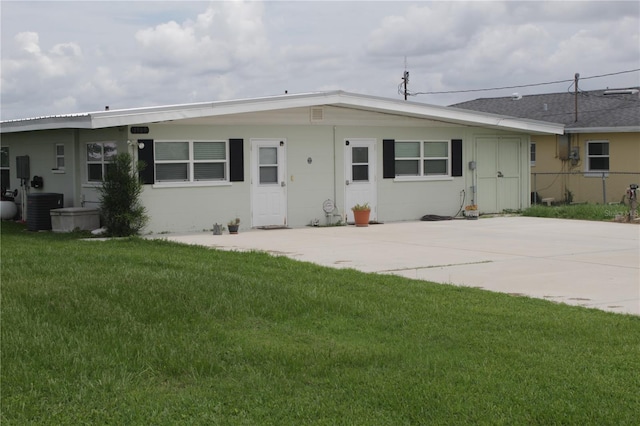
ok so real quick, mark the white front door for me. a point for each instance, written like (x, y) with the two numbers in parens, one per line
(360, 174)
(498, 174)
(268, 182)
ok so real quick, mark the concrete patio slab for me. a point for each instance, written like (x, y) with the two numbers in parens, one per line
(591, 264)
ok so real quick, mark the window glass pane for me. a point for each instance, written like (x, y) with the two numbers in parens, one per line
(172, 172)
(407, 149)
(110, 151)
(59, 149)
(95, 172)
(407, 167)
(435, 167)
(268, 155)
(209, 151)
(4, 156)
(360, 173)
(360, 154)
(533, 152)
(60, 162)
(599, 163)
(269, 174)
(599, 148)
(172, 151)
(208, 171)
(4, 178)
(94, 152)
(436, 149)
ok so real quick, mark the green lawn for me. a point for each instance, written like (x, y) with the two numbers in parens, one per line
(578, 211)
(148, 332)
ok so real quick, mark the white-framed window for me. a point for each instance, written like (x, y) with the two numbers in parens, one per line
(59, 157)
(532, 154)
(191, 161)
(99, 155)
(597, 153)
(422, 158)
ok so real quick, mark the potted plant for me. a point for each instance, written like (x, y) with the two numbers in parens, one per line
(471, 211)
(233, 225)
(361, 214)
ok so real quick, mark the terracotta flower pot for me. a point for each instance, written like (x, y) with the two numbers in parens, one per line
(361, 217)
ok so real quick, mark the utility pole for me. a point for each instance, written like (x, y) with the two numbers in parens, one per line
(406, 81)
(576, 77)
(405, 78)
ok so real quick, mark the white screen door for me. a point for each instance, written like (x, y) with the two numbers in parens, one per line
(360, 174)
(268, 182)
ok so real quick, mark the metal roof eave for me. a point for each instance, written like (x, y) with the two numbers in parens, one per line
(80, 121)
(210, 109)
(452, 115)
(133, 116)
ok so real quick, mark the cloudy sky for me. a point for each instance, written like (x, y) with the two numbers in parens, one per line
(77, 56)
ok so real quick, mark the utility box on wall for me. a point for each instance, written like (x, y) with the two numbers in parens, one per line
(563, 147)
(22, 167)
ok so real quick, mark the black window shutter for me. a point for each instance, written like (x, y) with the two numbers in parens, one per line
(456, 157)
(236, 160)
(388, 158)
(145, 155)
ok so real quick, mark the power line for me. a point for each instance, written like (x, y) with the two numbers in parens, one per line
(520, 86)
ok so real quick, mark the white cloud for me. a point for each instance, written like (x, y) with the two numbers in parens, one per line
(29, 42)
(127, 54)
(60, 60)
(420, 31)
(226, 35)
(68, 103)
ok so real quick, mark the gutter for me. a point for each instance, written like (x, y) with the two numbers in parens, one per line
(622, 129)
(82, 121)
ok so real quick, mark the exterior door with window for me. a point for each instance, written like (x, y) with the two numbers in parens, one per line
(360, 174)
(268, 183)
(498, 168)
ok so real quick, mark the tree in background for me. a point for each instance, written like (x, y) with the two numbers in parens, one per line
(120, 206)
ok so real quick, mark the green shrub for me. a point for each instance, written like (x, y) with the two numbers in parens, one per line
(121, 210)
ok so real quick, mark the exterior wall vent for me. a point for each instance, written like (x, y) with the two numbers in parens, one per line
(317, 114)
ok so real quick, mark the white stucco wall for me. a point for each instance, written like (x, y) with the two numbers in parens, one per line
(309, 184)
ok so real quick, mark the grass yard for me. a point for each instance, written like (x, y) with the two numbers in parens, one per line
(578, 211)
(150, 332)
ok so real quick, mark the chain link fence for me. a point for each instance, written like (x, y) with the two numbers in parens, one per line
(581, 187)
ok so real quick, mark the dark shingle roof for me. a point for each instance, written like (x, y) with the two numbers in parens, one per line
(595, 109)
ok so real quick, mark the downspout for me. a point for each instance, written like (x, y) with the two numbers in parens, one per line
(335, 183)
(77, 175)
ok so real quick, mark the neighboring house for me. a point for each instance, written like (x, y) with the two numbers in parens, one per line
(599, 154)
(275, 161)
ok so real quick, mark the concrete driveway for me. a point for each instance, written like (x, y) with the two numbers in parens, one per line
(591, 264)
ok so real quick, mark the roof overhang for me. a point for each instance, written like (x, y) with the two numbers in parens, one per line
(135, 116)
